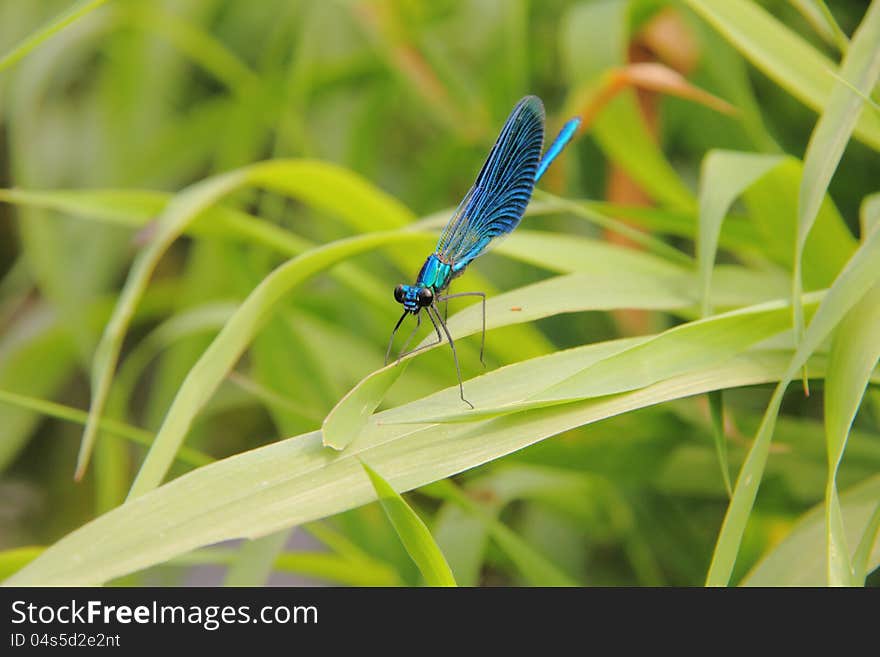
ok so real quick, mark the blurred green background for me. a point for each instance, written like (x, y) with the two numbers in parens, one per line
(409, 95)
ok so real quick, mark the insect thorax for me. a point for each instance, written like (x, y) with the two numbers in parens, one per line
(435, 274)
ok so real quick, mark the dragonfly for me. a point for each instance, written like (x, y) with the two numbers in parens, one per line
(492, 208)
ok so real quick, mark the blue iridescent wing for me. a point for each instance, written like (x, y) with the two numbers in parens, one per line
(498, 199)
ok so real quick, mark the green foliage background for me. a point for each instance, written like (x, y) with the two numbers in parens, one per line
(206, 205)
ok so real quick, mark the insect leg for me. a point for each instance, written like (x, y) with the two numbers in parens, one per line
(482, 295)
(411, 334)
(424, 346)
(393, 333)
(454, 354)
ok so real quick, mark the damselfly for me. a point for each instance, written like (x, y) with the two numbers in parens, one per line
(493, 207)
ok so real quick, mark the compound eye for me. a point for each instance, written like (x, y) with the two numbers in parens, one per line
(426, 297)
(398, 294)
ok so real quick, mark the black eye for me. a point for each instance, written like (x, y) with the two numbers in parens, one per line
(426, 297)
(398, 294)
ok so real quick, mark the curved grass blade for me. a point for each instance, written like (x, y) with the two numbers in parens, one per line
(216, 362)
(782, 55)
(861, 67)
(855, 351)
(800, 559)
(294, 481)
(413, 533)
(73, 13)
(319, 184)
(138, 208)
(724, 176)
(859, 274)
(772, 204)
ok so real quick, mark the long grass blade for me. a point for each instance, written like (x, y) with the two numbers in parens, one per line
(860, 273)
(855, 351)
(297, 480)
(76, 11)
(861, 67)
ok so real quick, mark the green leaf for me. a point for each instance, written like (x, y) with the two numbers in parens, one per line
(782, 55)
(297, 480)
(324, 186)
(626, 288)
(801, 558)
(716, 410)
(137, 208)
(855, 351)
(725, 175)
(820, 17)
(114, 428)
(862, 559)
(215, 363)
(15, 559)
(413, 533)
(772, 204)
(73, 13)
(861, 67)
(860, 273)
(649, 360)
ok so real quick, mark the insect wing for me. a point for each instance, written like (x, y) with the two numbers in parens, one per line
(496, 202)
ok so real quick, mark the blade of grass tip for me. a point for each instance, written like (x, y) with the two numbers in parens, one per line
(74, 13)
(855, 351)
(859, 274)
(716, 410)
(863, 551)
(413, 533)
(255, 559)
(724, 176)
(860, 66)
(357, 405)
